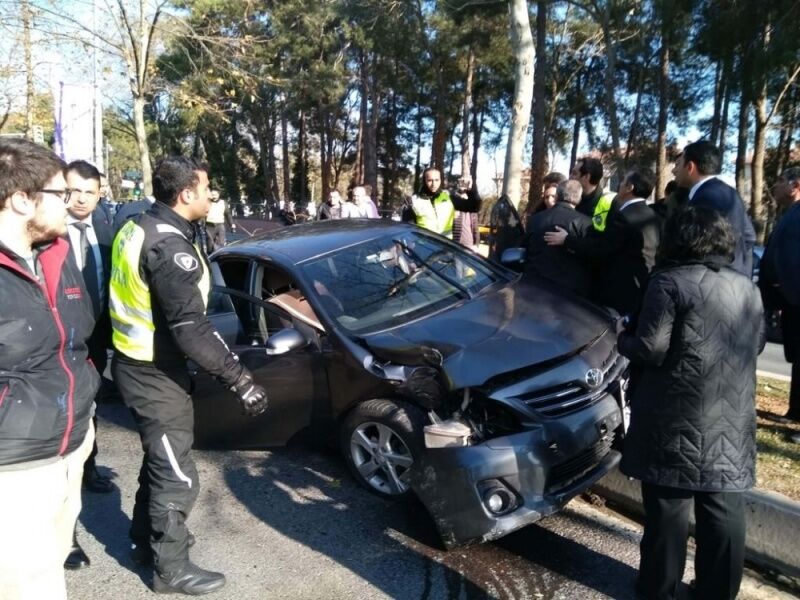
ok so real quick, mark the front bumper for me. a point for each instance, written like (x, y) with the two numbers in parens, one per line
(543, 467)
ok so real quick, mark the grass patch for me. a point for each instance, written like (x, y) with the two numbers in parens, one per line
(778, 467)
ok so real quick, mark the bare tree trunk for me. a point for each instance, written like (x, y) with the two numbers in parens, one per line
(439, 142)
(522, 45)
(741, 147)
(27, 53)
(539, 153)
(726, 103)
(418, 162)
(302, 153)
(788, 117)
(609, 85)
(325, 165)
(663, 108)
(576, 138)
(477, 131)
(141, 142)
(287, 175)
(466, 113)
(719, 93)
(635, 119)
(362, 121)
(759, 148)
(371, 137)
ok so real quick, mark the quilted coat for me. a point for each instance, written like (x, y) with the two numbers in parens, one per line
(693, 418)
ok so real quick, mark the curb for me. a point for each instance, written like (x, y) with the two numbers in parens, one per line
(773, 522)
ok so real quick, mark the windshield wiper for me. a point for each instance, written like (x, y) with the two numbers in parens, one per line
(426, 265)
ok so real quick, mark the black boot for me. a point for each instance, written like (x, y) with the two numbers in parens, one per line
(76, 559)
(142, 554)
(189, 579)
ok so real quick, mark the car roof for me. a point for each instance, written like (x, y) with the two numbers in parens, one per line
(303, 241)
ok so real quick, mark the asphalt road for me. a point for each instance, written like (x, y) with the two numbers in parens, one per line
(291, 523)
(771, 360)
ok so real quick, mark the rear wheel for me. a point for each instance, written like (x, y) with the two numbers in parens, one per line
(381, 440)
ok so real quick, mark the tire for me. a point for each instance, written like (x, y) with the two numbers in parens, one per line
(380, 441)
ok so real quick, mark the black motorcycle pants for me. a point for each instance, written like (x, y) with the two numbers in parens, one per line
(168, 483)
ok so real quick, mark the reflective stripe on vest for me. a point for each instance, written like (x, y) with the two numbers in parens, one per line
(601, 211)
(129, 298)
(437, 215)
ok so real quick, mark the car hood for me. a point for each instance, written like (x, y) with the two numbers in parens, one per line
(520, 325)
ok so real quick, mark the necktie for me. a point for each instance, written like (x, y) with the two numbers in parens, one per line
(89, 269)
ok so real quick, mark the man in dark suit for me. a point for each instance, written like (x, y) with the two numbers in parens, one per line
(557, 263)
(779, 280)
(696, 170)
(625, 252)
(90, 235)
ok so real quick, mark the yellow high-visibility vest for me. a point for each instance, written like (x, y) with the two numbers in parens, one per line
(129, 296)
(601, 211)
(437, 215)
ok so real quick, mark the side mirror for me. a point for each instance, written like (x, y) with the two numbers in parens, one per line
(285, 341)
(514, 257)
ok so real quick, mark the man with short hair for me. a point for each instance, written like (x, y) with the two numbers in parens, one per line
(160, 281)
(362, 206)
(557, 263)
(90, 237)
(332, 208)
(47, 386)
(779, 278)
(696, 169)
(588, 172)
(625, 252)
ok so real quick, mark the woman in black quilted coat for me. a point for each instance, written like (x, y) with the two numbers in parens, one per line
(693, 421)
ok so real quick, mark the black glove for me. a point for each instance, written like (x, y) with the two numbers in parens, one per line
(252, 396)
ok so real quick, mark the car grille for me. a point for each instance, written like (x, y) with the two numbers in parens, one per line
(565, 473)
(572, 396)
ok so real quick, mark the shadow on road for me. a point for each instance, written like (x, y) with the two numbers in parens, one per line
(310, 497)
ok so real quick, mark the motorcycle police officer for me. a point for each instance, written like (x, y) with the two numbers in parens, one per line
(159, 289)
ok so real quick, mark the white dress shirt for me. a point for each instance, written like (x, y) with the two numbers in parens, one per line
(91, 238)
(697, 185)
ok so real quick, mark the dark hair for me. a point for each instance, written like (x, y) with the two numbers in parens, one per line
(695, 233)
(553, 178)
(641, 181)
(704, 155)
(593, 168)
(84, 169)
(25, 167)
(174, 174)
(671, 186)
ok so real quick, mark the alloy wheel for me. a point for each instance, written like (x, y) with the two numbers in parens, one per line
(381, 457)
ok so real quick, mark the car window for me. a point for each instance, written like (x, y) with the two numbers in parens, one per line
(387, 281)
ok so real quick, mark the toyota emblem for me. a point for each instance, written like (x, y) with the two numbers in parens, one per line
(594, 378)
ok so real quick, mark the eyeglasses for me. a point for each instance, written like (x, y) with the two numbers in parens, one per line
(63, 194)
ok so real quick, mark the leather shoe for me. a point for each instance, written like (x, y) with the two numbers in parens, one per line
(142, 554)
(94, 482)
(76, 559)
(795, 438)
(189, 579)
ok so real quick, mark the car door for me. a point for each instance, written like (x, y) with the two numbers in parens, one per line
(293, 380)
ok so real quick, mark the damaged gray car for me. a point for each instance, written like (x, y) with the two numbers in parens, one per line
(440, 375)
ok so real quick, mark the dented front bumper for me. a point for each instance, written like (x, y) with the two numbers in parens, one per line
(542, 468)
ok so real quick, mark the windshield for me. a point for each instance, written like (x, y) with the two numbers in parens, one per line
(388, 281)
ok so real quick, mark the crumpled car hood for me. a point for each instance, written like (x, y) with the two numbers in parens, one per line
(519, 325)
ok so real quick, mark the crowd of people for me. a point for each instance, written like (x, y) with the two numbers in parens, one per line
(75, 283)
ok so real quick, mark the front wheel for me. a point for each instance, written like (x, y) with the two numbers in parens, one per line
(381, 440)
